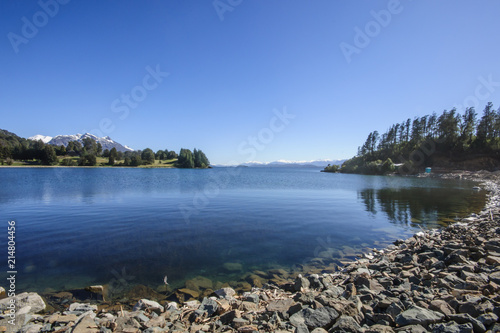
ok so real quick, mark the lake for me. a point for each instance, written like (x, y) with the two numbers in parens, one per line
(77, 227)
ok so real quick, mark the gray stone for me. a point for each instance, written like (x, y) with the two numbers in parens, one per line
(225, 292)
(280, 305)
(145, 304)
(442, 306)
(32, 328)
(319, 330)
(251, 298)
(495, 277)
(153, 330)
(228, 317)
(141, 317)
(86, 325)
(412, 329)
(80, 308)
(239, 322)
(321, 317)
(453, 327)
(346, 324)
(333, 292)
(464, 318)
(379, 329)
(33, 300)
(301, 283)
(418, 316)
(209, 306)
(488, 318)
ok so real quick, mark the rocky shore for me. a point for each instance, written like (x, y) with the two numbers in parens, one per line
(444, 280)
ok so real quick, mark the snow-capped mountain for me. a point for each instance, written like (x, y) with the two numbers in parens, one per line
(44, 138)
(106, 142)
(285, 163)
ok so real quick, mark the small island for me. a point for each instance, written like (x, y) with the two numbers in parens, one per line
(87, 152)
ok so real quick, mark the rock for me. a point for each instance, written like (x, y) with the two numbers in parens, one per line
(495, 277)
(465, 318)
(33, 300)
(493, 260)
(145, 304)
(228, 317)
(319, 330)
(298, 321)
(80, 308)
(251, 298)
(280, 305)
(189, 293)
(442, 306)
(249, 306)
(453, 327)
(412, 329)
(379, 329)
(345, 324)
(225, 292)
(248, 329)
(418, 316)
(239, 322)
(97, 289)
(233, 267)
(85, 325)
(488, 318)
(127, 324)
(32, 328)
(199, 283)
(209, 306)
(301, 283)
(321, 317)
(156, 322)
(56, 318)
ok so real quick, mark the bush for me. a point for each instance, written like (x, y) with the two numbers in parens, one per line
(9, 161)
(68, 162)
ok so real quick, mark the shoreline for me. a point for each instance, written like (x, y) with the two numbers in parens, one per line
(389, 290)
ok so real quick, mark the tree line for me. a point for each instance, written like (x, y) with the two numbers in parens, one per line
(450, 133)
(86, 153)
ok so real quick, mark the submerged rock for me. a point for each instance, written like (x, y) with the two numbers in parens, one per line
(233, 267)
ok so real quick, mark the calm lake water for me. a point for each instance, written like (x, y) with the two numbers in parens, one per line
(83, 226)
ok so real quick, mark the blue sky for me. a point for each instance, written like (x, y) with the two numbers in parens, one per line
(339, 69)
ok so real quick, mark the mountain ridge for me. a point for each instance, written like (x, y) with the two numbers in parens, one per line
(285, 163)
(58, 140)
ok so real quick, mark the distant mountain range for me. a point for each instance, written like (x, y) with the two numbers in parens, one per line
(106, 142)
(290, 164)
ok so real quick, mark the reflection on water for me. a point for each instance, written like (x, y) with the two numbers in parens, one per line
(420, 206)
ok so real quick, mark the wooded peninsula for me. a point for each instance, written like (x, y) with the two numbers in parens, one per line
(448, 141)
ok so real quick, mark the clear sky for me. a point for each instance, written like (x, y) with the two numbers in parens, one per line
(332, 70)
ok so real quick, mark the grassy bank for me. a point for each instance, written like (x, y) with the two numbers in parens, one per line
(101, 162)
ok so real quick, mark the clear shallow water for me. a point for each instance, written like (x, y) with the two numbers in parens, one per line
(82, 226)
